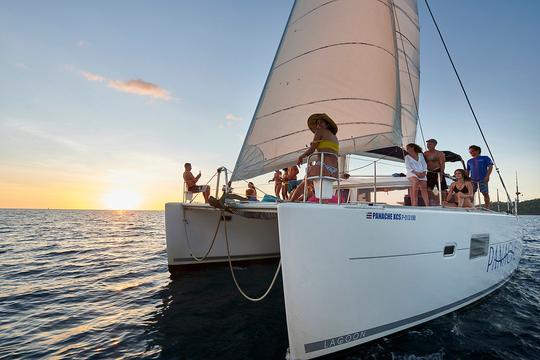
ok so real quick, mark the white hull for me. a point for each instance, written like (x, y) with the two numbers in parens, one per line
(193, 226)
(354, 273)
(350, 277)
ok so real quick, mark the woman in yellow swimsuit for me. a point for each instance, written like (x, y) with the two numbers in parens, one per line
(324, 140)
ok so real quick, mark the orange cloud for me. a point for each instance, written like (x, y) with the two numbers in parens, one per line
(140, 87)
(92, 77)
(137, 86)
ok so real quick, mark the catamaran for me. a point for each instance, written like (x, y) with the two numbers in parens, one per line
(355, 270)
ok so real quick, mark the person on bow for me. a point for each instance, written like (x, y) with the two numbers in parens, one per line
(324, 140)
(416, 173)
(480, 168)
(191, 182)
(435, 160)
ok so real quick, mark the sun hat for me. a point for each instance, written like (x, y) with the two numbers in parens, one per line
(312, 122)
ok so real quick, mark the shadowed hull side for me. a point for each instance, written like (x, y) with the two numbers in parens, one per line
(190, 229)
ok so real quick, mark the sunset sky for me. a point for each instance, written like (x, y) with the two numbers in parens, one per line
(102, 102)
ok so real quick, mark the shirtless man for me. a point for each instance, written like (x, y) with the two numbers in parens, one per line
(191, 182)
(435, 160)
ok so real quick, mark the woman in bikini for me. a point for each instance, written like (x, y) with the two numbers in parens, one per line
(278, 180)
(461, 190)
(324, 140)
(251, 192)
(285, 184)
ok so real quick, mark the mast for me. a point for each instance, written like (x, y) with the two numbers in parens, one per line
(517, 195)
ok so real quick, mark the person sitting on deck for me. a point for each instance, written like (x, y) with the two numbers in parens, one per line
(292, 181)
(435, 160)
(278, 181)
(285, 184)
(461, 191)
(324, 140)
(251, 192)
(191, 182)
(480, 168)
(416, 173)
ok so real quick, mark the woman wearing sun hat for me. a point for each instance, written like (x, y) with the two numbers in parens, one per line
(324, 140)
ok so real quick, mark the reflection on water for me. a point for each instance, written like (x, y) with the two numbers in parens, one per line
(95, 284)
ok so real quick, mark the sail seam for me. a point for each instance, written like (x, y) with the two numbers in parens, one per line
(332, 45)
(305, 130)
(326, 100)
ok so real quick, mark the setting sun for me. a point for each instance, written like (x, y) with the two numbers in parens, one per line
(122, 199)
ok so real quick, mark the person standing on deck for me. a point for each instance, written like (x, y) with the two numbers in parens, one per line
(435, 160)
(278, 181)
(191, 182)
(479, 169)
(292, 181)
(416, 173)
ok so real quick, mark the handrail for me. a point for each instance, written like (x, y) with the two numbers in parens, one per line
(321, 175)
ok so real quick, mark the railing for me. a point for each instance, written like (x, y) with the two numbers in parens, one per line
(226, 186)
(321, 177)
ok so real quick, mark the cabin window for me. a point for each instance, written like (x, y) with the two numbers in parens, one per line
(479, 246)
(449, 250)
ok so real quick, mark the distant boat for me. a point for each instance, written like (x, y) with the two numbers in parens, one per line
(358, 270)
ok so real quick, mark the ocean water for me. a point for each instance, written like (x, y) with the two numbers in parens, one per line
(95, 284)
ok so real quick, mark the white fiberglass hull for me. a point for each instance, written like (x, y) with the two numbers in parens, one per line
(190, 229)
(352, 274)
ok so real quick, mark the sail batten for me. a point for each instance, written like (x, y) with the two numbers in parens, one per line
(343, 58)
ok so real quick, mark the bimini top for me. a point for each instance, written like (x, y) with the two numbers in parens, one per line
(358, 62)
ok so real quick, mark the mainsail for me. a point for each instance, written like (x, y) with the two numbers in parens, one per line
(357, 61)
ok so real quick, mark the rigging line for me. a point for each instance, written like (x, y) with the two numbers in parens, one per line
(467, 98)
(409, 73)
(247, 182)
(371, 163)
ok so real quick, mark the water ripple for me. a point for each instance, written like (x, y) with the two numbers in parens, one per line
(94, 284)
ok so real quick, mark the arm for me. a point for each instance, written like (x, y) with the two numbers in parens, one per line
(450, 192)
(469, 186)
(424, 166)
(442, 162)
(408, 163)
(311, 149)
(489, 170)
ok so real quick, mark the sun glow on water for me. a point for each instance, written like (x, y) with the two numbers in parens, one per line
(122, 199)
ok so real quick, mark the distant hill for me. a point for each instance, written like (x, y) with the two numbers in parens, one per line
(529, 207)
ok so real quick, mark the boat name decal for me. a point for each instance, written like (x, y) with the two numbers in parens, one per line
(344, 339)
(500, 255)
(372, 215)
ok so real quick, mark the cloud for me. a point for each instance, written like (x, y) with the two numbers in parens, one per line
(136, 86)
(82, 44)
(20, 65)
(92, 77)
(230, 119)
(140, 87)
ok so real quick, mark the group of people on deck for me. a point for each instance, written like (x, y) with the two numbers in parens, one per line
(426, 170)
(285, 183)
